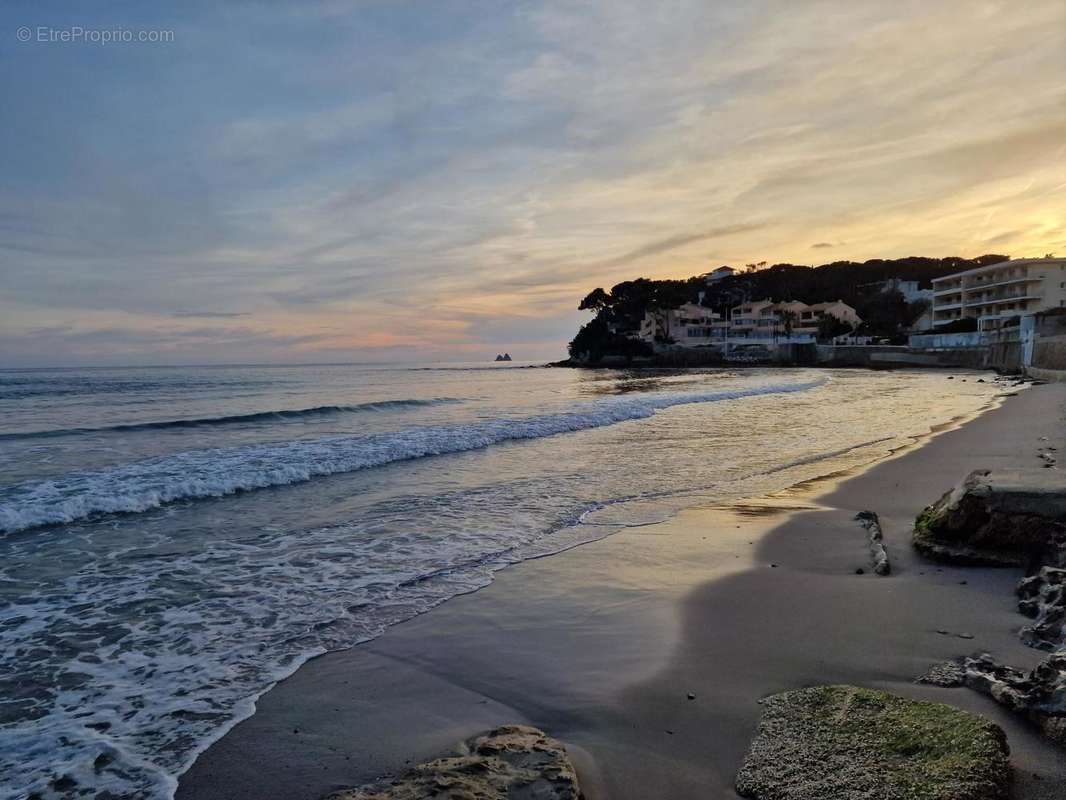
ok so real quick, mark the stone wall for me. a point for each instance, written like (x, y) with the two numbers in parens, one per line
(1050, 352)
(1006, 358)
(933, 341)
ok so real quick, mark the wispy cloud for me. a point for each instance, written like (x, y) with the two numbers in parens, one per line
(438, 180)
(211, 314)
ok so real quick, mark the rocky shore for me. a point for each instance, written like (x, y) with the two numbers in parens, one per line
(1013, 518)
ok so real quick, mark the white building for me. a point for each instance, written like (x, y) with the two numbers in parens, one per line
(910, 290)
(693, 325)
(690, 326)
(765, 319)
(997, 292)
(718, 274)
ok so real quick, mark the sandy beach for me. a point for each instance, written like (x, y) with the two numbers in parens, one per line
(603, 645)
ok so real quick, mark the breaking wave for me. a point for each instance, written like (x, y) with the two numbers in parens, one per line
(217, 472)
(258, 416)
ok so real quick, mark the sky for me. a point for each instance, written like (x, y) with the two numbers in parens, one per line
(382, 180)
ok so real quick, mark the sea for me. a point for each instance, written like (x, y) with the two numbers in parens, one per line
(173, 541)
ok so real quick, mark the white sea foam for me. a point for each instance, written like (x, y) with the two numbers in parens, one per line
(218, 472)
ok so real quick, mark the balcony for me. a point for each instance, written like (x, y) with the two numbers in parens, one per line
(954, 288)
(1021, 298)
(979, 286)
(946, 314)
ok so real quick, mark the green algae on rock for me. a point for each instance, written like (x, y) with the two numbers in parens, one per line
(848, 743)
(1000, 519)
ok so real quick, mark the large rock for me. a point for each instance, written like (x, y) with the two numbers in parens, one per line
(1039, 695)
(1043, 597)
(997, 519)
(847, 743)
(514, 762)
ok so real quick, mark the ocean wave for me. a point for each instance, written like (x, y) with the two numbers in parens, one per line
(217, 472)
(257, 416)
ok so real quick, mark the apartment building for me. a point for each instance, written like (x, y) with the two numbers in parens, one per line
(997, 292)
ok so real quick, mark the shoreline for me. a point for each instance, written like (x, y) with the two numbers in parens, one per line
(601, 645)
(695, 362)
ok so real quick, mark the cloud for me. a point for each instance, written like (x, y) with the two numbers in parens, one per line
(211, 314)
(426, 180)
(671, 243)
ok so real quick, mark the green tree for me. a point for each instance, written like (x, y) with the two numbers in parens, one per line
(883, 313)
(829, 327)
(596, 340)
(595, 300)
(788, 320)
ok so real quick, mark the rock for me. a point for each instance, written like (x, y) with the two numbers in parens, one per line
(847, 743)
(508, 763)
(878, 554)
(946, 674)
(1001, 519)
(1039, 695)
(1043, 597)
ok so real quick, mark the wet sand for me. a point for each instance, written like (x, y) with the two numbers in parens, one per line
(601, 645)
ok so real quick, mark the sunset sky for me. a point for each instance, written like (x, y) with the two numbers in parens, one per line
(353, 180)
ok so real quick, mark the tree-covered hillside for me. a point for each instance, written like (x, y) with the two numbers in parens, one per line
(620, 310)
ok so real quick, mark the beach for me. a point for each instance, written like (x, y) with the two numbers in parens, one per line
(337, 570)
(406, 400)
(647, 652)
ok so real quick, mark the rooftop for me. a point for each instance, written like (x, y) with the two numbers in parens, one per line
(1017, 262)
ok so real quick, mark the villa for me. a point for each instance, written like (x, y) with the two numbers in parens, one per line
(690, 326)
(694, 325)
(765, 319)
(718, 274)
